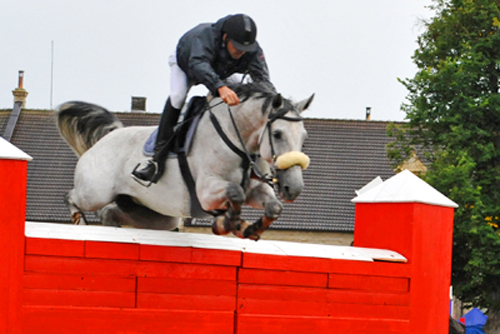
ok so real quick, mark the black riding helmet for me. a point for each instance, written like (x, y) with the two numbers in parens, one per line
(242, 31)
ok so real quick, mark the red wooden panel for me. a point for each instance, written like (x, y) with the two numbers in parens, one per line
(377, 268)
(340, 310)
(263, 324)
(111, 250)
(46, 264)
(275, 277)
(186, 302)
(124, 268)
(165, 254)
(186, 286)
(79, 298)
(57, 247)
(367, 297)
(281, 262)
(336, 310)
(265, 261)
(273, 292)
(276, 292)
(79, 320)
(78, 282)
(372, 283)
(282, 307)
(217, 256)
(183, 270)
(310, 302)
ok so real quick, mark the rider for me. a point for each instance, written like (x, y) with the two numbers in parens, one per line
(211, 54)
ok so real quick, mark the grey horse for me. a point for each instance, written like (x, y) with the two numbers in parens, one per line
(264, 125)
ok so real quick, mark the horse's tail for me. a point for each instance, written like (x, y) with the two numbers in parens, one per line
(82, 124)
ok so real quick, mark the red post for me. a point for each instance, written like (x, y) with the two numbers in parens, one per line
(406, 215)
(13, 176)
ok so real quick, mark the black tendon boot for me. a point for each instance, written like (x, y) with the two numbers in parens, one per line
(164, 141)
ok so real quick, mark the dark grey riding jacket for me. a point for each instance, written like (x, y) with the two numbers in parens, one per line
(203, 56)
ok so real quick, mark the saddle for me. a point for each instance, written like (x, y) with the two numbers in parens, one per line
(183, 132)
(183, 136)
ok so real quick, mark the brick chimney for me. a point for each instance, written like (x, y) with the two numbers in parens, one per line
(138, 104)
(20, 93)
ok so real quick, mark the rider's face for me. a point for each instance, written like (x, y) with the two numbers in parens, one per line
(234, 52)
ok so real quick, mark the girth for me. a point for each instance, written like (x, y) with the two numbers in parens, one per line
(196, 208)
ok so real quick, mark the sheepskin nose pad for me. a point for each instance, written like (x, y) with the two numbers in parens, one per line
(292, 158)
(290, 183)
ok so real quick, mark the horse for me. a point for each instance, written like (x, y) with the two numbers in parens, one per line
(262, 136)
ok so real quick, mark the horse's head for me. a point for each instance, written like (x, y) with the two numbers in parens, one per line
(281, 145)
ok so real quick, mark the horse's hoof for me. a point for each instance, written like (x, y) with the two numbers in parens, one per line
(75, 218)
(218, 226)
(246, 230)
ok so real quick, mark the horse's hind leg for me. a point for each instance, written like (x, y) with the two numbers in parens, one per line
(124, 211)
(77, 215)
(111, 215)
(231, 220)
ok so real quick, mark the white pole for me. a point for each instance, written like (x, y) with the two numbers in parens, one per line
(51, 73)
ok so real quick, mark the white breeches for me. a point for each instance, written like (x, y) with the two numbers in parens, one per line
(180, 85)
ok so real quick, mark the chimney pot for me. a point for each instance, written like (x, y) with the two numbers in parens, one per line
(368, 113)
(21, 77)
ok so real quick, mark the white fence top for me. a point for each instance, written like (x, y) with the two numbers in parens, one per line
(179, 239)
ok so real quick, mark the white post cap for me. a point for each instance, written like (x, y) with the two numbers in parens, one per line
(404, 187)
(11, 152)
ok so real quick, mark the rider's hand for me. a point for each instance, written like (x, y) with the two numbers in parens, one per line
(229, 96)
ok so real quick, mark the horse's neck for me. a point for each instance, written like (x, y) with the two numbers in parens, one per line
(250, 122)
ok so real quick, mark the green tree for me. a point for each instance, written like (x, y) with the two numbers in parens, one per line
(453, 113)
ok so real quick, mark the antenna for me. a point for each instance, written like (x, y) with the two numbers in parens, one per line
(51, 73)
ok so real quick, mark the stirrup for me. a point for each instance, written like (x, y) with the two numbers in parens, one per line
(146, 183)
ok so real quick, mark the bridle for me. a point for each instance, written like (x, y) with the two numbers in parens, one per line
(249, 160)
(280, 114)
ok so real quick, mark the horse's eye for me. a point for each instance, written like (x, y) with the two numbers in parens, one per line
(277, 135)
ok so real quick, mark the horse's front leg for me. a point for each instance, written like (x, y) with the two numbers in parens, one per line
(229, 195)
(230, 221)
(261, 196)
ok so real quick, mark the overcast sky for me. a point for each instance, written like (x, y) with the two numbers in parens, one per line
(349, 52)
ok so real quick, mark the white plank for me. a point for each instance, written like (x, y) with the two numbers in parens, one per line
(178, 239)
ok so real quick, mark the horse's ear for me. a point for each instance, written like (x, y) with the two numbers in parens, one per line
(304, 104)
(277, 101)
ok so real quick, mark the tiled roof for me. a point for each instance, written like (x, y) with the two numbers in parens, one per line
(345, 155)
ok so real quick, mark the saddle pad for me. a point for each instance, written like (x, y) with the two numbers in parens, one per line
(149, 146)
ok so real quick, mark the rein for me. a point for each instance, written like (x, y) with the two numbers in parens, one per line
(248, 160)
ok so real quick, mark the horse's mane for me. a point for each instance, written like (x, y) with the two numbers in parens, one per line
(259, 90)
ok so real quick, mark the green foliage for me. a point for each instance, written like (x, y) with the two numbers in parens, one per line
(453, 113)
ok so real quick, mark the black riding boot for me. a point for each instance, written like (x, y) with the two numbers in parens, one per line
(164, 142)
